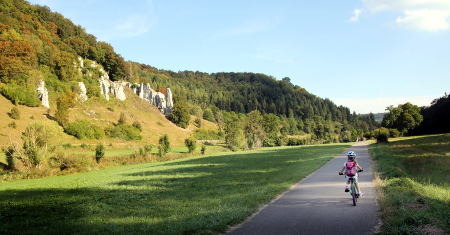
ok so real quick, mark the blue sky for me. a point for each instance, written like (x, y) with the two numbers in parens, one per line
(364, 54)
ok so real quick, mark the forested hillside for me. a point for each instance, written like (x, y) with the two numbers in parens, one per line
(37, 44)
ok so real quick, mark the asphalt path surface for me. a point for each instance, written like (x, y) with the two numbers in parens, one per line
(319, 205)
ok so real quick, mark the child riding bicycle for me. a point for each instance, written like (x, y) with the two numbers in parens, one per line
(351, 168)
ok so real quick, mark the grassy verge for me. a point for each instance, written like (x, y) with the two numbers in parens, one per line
(191, 195)
(415, 184)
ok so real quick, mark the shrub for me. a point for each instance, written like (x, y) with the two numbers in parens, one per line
(204, 134)
(14, 113)
(269, 142)
(67, 145)
(190, 144)
(125, 132)
(164, 145)
(12, 125)
(82, 129)
(280, 140)
(203, 149)
(65, 161)
(148, 148)
(208, 115)
(394, 133)
(180, 115)
(198, 122)
(35, 140)
(382, 135)
(20, 94)
(293, 142)
(142, 152)
(10, 155)
(99, 152)
(122, 119)
(137, 125)
(85, 146)
(368, 135)
(63, 104)
(110, 109)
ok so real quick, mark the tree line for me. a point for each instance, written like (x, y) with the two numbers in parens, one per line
(410, 119)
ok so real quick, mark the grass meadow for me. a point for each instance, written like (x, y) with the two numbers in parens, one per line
(415, 184)
(200, 195)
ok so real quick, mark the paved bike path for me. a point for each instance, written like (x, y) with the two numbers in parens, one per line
(319, 205)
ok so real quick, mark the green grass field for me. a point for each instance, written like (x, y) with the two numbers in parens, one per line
(415, 186)
(192, 195)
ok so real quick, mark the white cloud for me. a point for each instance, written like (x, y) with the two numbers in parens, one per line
(355, 16)
(428, 20)
(424, 15)
(378, 105)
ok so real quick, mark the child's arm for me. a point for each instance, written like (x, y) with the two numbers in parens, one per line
(358, 166)
(342, 170)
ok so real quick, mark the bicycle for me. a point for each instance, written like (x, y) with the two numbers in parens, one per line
(353, 190)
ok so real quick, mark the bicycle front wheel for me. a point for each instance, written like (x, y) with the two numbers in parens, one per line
(354, 198)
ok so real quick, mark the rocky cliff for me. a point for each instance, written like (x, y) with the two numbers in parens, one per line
(163, 99)
(159, 99)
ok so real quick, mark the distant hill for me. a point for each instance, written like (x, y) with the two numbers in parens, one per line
(379, 117)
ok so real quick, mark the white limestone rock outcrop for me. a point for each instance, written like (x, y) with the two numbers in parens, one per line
(43, 94)
(105, 85)
(82, 97)
(163, 102)
(117, 89)
(160, 102)
(169, 102)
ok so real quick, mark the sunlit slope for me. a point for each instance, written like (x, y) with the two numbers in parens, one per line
(99, 112)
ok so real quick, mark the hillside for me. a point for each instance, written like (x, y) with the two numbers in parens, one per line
(44, 54)
(102, 113)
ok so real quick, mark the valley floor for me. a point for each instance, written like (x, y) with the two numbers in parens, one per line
(415, 184)
(191, 195)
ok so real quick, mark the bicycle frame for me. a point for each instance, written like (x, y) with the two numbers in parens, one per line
(353, 190)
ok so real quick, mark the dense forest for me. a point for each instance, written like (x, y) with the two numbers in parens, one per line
(436, 117)
(245, 92)
(38, 44)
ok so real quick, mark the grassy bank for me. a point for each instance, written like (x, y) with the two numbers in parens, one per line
(415, 185)
(191, 195)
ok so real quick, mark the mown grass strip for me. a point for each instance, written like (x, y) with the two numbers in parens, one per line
(193, 195)
(415, 185)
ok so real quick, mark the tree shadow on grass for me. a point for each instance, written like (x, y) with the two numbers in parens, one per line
(423, 159)
(188, 196)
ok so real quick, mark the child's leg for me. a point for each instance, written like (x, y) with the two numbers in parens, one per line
(347, 186)
(357, 187)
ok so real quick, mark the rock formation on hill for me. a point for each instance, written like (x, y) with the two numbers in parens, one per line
(82, 97)
(106, 85)
(164, 102)
(43, 94)
(162, 99)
